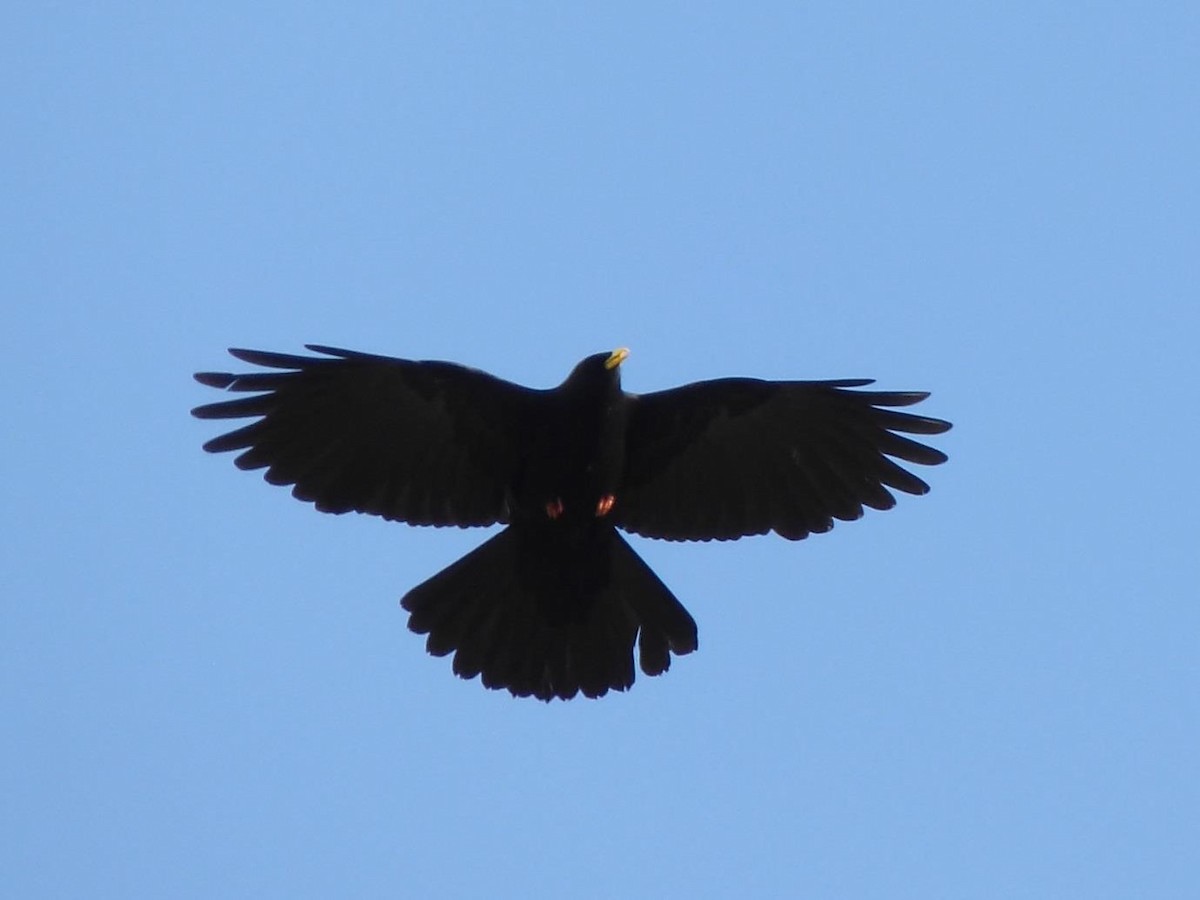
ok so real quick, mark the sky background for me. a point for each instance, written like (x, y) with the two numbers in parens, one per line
(207, 689)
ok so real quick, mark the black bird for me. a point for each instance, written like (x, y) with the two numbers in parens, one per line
(553, 604)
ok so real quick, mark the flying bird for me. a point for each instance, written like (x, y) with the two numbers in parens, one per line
(553, 605)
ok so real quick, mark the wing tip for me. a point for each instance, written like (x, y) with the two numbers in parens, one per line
(936, 426)
(219, 380)
(216, 445)
(210, 411)
(246, 356)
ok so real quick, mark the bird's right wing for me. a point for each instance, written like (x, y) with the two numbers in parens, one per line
(738, 456)
(429, 443)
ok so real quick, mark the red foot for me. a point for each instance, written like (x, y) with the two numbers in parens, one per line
(554, 508)
(604, 505)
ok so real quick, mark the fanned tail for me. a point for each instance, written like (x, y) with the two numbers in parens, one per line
(542, 618)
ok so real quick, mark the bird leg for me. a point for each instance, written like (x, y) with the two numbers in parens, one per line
(605, 504)
(554, 508)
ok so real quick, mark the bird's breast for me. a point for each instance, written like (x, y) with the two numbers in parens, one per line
(572, 469)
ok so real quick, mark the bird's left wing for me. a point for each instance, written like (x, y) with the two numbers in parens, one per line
(738, 456)
(429, 443)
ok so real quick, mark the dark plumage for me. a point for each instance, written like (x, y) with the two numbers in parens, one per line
(553, 604)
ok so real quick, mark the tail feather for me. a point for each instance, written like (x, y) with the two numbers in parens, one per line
(515, 612)
(663, 628)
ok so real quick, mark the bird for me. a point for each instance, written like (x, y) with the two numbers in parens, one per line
(553, 604)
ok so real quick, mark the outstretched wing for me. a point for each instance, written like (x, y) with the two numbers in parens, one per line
(738, 456)
(429, 443)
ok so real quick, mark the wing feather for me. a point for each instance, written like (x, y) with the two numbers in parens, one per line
(416, 441)
(718, 460)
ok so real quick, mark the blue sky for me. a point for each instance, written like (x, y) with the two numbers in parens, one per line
(991, 691)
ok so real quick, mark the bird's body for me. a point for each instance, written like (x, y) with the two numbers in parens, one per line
(573, 445)
(553, 604)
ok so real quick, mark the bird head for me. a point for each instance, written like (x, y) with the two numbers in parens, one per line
(599, 370)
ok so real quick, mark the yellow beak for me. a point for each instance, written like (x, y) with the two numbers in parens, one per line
(616, 358)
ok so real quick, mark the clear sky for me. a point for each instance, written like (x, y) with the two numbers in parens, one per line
(208, 689)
